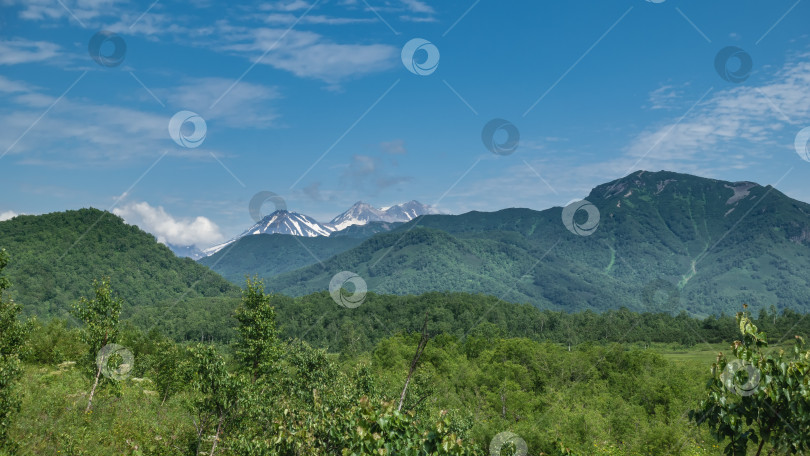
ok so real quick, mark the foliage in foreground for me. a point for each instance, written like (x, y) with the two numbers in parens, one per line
(12, 339)
(261, 396)
(759, 398)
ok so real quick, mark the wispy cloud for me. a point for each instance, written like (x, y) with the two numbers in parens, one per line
(304, 53)
(395, 147)
(667, 96)
(743, 118)
(247, 105)
(307, 54)
(418, 6)
(291, 5)
(77, 132)
(404, 10)
(17, 51)
(289, 19)
(370, 175)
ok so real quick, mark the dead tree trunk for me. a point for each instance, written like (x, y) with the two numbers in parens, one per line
(219, 430)
(93, 390)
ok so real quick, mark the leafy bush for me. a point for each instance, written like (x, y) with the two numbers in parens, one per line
(759, 398)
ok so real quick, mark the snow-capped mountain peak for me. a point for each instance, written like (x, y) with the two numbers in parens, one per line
(285, 222)
(410, 210)
(293, 223)
(361, 213)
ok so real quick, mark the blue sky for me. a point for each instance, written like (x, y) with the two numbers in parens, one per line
(311, 100)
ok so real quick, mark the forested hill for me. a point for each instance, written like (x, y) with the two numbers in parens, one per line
(55, 257)
(665, 242)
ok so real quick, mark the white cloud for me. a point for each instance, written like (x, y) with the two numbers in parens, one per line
(304, 53)
(16, 51)
(105, 134)
(199, 231)
(92, 133)
(9, 86)
(417, 6)
(84, 10)
(307, 54)
(289, 19)
(294, 5)
(667, 97)
(243, 105)
(748, 117)
(7, 215)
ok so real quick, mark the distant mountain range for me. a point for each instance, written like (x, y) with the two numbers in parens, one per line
(651, 241)
(295, 224)
(661, 241)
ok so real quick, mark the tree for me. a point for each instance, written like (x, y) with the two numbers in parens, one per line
(257, 347)
(218, 398)
(760, 397)
(170, 369)
(13, 334)
(100, 316)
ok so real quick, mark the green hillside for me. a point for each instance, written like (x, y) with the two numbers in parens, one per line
(666, 242)
(55, 257)
(267, 255)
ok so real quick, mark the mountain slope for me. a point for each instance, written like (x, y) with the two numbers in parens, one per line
(267, 255)
(55, 257)
(666, 241)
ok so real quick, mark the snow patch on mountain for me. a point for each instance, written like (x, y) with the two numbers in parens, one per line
(295, 224)
(362, 213)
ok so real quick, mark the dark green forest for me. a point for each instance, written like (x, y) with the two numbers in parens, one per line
(55, 257)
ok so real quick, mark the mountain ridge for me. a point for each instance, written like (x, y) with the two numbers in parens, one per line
(665, 241)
